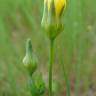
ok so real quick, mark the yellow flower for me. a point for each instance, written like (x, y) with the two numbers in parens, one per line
(51, 21)
(58, 4)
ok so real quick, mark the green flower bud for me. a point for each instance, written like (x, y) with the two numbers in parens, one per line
(38, 85)
(30, 60)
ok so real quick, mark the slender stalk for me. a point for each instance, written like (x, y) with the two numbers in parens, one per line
(66, 81)
(77, 82)
(30, 84)
(50, 66)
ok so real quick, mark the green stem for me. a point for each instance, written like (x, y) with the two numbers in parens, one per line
(30, 84)
(50, 66)
(65, 74)
(77, 82)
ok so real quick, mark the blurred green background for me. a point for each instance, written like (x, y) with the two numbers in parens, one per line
(75, 48)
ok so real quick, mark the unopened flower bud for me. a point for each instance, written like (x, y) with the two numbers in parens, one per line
(30, 60)
(38, 86)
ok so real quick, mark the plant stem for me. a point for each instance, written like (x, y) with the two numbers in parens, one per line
(77, 82)
(50, 66)
(65, 74)
(30, 84)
